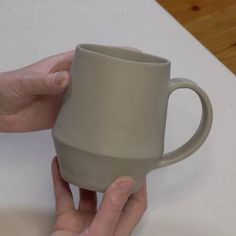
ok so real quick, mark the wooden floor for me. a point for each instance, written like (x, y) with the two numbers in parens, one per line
(212, 22)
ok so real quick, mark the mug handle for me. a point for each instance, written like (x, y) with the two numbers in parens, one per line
(201, 133)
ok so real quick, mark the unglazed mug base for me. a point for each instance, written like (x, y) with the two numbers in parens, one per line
(97, 172)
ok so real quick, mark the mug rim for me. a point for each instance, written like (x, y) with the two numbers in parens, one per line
(131, 55)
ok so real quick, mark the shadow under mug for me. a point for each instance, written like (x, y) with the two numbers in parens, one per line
(113, 117)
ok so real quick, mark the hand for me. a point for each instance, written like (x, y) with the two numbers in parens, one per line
(117, 215)
(30, 97)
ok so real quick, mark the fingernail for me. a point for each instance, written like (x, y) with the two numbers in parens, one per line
(60, 79)
(124, 185)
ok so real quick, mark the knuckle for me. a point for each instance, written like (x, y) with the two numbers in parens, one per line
(47, 82)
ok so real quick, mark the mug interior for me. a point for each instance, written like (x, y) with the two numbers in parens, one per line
(123, 54)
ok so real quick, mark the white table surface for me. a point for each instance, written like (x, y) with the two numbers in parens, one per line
(194, 197)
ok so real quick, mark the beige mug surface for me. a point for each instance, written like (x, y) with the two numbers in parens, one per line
(113, 117)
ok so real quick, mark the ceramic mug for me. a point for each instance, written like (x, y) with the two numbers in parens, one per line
(113, 118)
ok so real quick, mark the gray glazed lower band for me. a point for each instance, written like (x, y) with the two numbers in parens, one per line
(97, 172)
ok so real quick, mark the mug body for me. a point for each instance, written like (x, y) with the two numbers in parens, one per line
(112, 120)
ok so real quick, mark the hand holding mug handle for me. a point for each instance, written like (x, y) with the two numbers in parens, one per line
(201, 133)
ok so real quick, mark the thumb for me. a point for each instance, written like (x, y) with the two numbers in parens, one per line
(49, 84)
(112, 205)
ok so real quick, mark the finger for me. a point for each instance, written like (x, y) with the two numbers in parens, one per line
(62, 56)
(132, 213)
(110, 210)
(50, 64)
(49, 84)
(88, 200)
(63, 195)
(61, 62)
